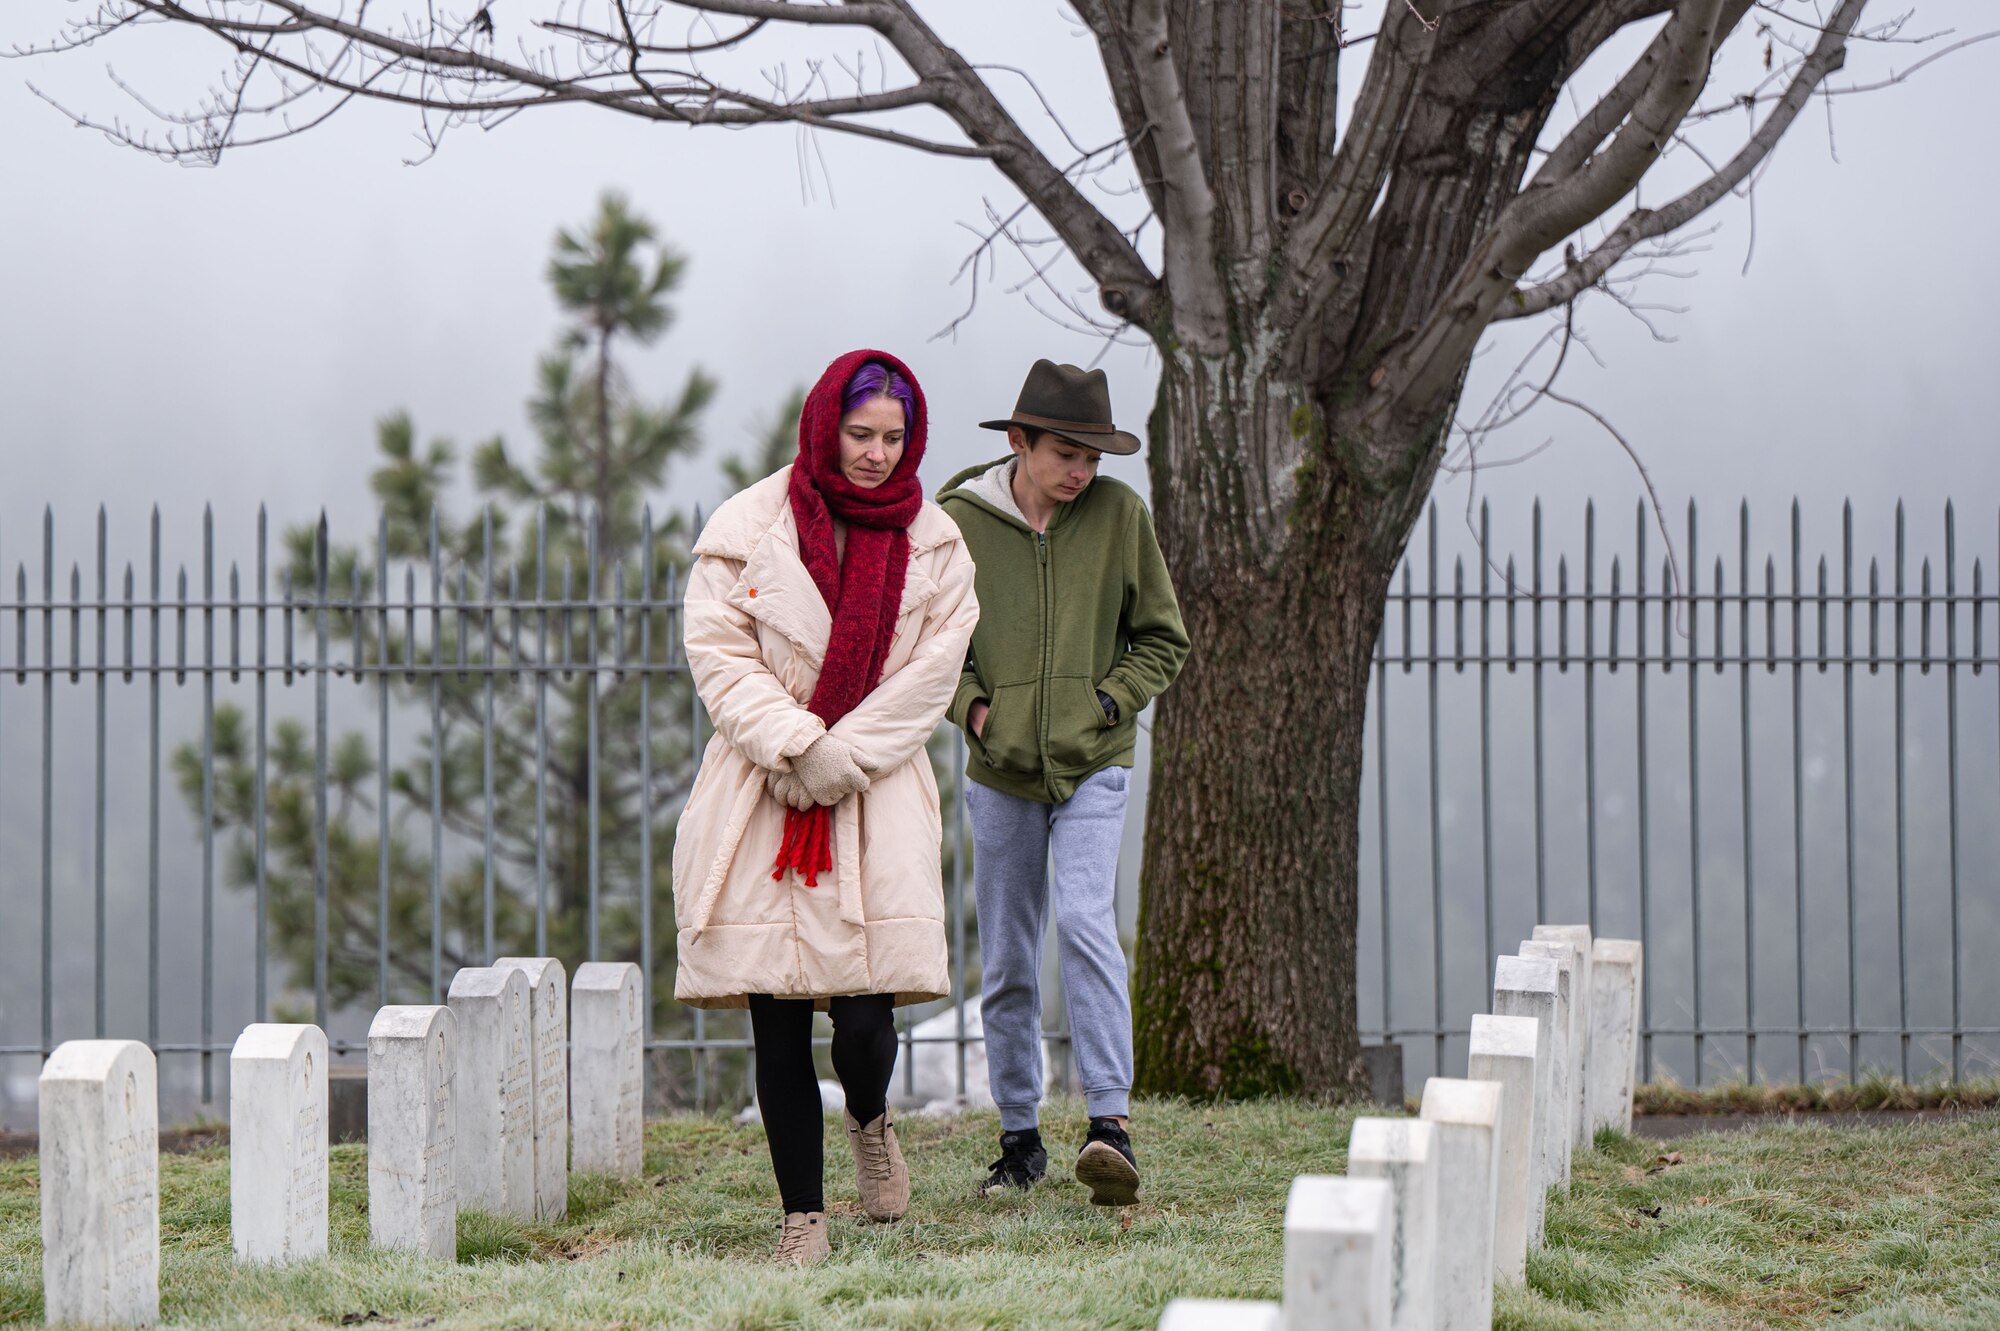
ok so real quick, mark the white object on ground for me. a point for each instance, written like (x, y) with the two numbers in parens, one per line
(1503, 1051)
(1398, 1151)
(1337, 1239)
(1617, 966)
(277, 1143)
(496, 1084)
(607, 1069)
(1468, 1120)
(548, 1002)
(1532, 987)
(1577, 935)
(1221, 1315)
(412, 1130)
(100, 1183)
(1566, 1107)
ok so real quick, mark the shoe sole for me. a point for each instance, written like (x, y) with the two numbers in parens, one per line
(1111, 1178)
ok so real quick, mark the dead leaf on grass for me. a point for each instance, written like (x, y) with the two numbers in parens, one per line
(1124, 1220)
(1670, 1158)
(1846, 1290)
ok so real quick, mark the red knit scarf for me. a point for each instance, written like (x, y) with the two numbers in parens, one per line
(864, 587)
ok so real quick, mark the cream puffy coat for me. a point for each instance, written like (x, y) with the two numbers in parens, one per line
(756, 632)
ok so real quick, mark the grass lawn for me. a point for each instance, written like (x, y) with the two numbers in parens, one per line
(1779, 1227)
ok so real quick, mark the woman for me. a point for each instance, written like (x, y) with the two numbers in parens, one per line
(828, 616)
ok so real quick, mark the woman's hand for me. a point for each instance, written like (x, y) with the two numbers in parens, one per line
(829, 770)
(975, 716)
(787, 789)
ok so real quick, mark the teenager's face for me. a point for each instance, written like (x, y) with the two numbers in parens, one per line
(871, 441)
(1056, 469)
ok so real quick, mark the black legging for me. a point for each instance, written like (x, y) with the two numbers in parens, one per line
(864, 1058)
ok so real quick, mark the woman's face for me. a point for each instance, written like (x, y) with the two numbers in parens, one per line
(871, 441)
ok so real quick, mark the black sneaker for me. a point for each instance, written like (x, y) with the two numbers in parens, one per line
(1021, 1164)
(1107, 1166)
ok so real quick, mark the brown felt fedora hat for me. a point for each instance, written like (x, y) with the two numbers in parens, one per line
(1073, 403)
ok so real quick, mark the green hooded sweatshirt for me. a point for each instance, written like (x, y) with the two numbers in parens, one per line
(1084, 607)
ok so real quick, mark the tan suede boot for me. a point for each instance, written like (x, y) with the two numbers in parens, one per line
(879, 1171)
(805, 1241)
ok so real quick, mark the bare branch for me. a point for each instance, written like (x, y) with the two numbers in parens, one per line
(1676, 67)
(1643, 224)
(1189, 211)
(1331, 218)
(1611, 109)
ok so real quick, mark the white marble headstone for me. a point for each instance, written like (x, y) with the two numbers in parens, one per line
(277, 1143)
(412, 1130)
(607, 1069)
(1577, 935)
(1568, 1106)
(1503, 1051)
(1468, 1121)
(496, 1084)
(1398, 1152)
(100, 1183)
(1337, 1240)
(1221, 1315)
(1617, 965)
(1531, 987)
(548, 1000)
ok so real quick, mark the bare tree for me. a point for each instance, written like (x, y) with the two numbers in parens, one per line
(1319, 295)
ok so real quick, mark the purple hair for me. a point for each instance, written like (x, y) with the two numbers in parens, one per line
(875, 380)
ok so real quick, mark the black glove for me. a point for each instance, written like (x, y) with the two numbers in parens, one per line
(1110, 706)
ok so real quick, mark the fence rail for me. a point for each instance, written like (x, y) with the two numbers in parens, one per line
(489, 671)
(1679, 634)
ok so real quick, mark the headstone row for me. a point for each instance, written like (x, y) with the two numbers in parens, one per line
(1434, 1210)
(475, 1101)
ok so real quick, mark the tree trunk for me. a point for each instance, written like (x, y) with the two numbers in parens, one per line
(1245, 975)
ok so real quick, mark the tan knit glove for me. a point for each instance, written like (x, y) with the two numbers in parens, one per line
(787, 789)
(829, 771)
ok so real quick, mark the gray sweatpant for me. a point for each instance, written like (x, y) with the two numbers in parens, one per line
(1012, 841)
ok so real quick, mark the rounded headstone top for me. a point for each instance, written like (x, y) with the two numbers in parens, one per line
(605, 975)
(1505, 1037)
(406, 1021)
(1459, 1100)
(273, 1039)
(92, 1060)
(539, 970)
(488, 982)
(1331, 1202)
(1526, 973)
(1389, 1138)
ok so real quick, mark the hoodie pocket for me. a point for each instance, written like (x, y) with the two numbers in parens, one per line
(1078, 732)
(1012, 742)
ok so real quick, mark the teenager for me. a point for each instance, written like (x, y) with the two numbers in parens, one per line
(828, 616)
(1080, 630)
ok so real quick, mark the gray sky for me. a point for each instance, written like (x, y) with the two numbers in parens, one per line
(230, 335)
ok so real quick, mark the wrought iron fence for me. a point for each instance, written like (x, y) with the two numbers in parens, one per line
(1649, 755)
(1771, 770)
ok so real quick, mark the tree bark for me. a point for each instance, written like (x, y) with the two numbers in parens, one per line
(1245, 979)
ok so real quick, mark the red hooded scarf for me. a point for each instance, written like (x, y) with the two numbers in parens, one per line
(863, 588)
